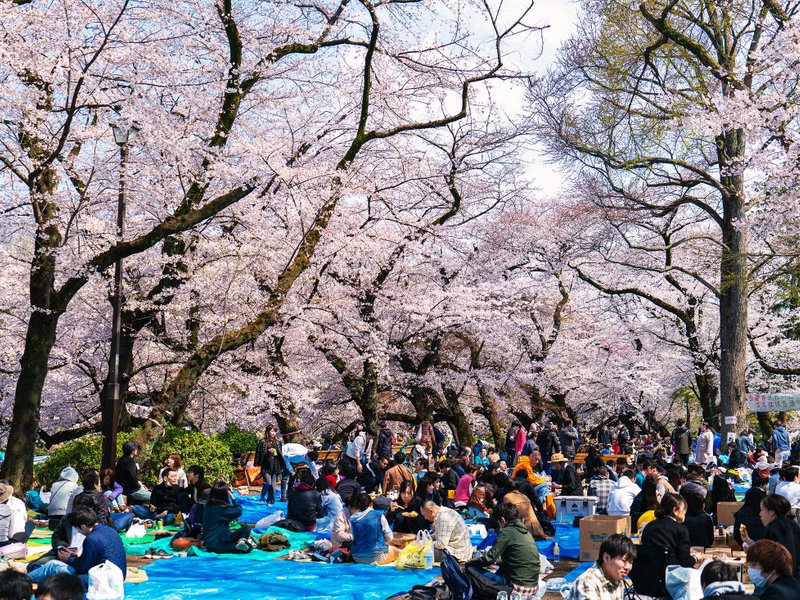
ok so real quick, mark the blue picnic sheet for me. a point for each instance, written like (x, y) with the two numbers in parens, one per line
(217, 577)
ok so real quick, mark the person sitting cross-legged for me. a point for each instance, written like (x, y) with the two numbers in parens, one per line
(164, 502)
(101, 543)
(222, 508)
(516, 551)
(604, 579)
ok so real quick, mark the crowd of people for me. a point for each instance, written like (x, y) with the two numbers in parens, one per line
(671, 489)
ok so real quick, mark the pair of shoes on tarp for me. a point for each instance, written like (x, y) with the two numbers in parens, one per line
(155, 554)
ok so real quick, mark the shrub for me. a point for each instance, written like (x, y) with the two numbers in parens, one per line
(194, 447)
(237, 439)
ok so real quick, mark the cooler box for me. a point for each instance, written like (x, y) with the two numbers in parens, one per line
(569, 507)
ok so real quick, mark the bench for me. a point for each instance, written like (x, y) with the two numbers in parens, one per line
(580, 458)
(332, 454)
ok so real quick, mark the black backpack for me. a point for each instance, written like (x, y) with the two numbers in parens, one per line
(457, 581)
(484, 588)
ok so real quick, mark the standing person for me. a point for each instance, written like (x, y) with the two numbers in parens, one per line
(511, 442)
(705, 445)
(623, 436)
(604, 437)
(519, 443)
(568, 482)
(604, 580)
(548, 443)
(360, 448)
(516, 552)
(781, 446)
(568, 437)
(681, 440)
(426, 437)
(385, 441)
(744, 444)
(127, 475)
(270, 460)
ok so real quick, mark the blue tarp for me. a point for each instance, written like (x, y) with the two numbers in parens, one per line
(201, 577)
(569, 542)
(253, 509)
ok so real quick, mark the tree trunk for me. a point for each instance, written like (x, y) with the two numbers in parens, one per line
(489, 411)
(368, 402)
(288, 420)
(733, 281)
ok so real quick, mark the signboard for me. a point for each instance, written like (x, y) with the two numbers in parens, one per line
(773, 402)
(730, 420)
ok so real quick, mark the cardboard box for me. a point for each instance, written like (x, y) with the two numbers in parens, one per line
(725, 512)
(596, 528)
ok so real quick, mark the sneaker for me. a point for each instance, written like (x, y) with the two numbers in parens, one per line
(243, 546)
(149, 553)
(162, 554)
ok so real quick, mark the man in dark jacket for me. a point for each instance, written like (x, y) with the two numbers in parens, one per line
(372, 475)
(164, 503)
(127, 475)
(548, 443)
(565, 477)
(515, 550)
(102, 544)
(384, 446)
(197, 485)
(305, 503)
(449, 475)
(93, 497)
(682, 441)
(568, 436)
(347, 486)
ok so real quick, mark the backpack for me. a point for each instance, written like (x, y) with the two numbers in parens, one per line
(483, 587)
(435, 591)
(457, 581)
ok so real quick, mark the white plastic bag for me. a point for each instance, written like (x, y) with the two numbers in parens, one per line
(137, 530)
(105, 582)
(269, 520)
(683, 583)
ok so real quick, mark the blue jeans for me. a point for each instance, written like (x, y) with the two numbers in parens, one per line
(145, 513)
(39, 574)
(542, 490)
(141, 495)
(121, 520)
(268, 489)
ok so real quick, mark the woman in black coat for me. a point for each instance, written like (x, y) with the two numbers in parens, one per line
(749, 516)
(668, 531)
(721, 491)
(697, 521)
(780, 528)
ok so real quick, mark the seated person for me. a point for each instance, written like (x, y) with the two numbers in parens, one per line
(720, 580)
(516, 551)
(430, 488)
(697, 521)
(61, 586)
(524, 508)
(101, 543)
(66, 535)
(341, 530)
(465, 484)
(480, 501)
(93, 497)
(769, 566)
(16, 586)
(196, 476)
(111, 488)
(371, 534)
(372, 474)
(305, 503)
(127, 475)
(667, 530)
(568, 483)
(405, 513)
(449, 531)
(15, 528)
(749, 517)
(163, 501)
(173, 461)
(60, 494)
(396, 474)
(347, 486)
(605, 578)
(222, 508)
(332, 504)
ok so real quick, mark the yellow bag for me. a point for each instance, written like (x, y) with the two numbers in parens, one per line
(418, 554)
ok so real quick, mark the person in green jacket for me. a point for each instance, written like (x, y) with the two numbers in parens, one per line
(515, 551)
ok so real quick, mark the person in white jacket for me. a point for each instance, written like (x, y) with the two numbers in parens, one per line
(60, 495)
(622, 494)
(705, 446)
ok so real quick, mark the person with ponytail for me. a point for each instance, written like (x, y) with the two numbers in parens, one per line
(669, 531)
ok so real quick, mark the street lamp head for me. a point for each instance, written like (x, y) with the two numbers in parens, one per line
(124, 133)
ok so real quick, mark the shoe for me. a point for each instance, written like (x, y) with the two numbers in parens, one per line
(149, 553)
(162, 554)
(243, 546)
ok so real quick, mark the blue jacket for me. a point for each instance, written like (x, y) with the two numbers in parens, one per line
(367, 534)
(780, 439)
(216, 523)
(102, 544)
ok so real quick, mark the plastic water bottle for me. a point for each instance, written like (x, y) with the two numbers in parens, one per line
(502, 595)
(515, 596)
(556, 552)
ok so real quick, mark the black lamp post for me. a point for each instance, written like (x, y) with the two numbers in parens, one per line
(110, 408)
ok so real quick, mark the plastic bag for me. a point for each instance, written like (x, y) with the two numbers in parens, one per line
(683, 583)
(418, 554)
(137, 530)
(105, 582)
(269, 520)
